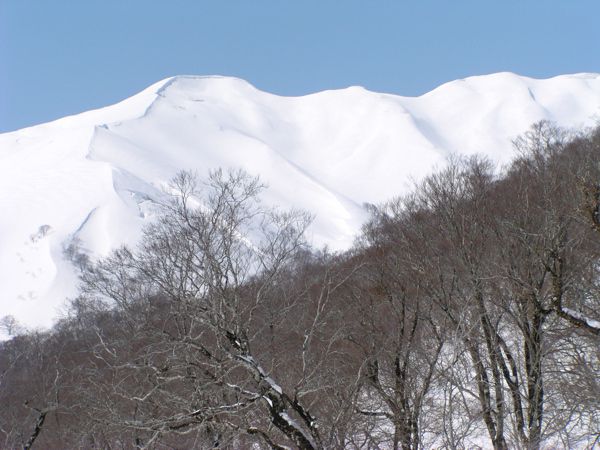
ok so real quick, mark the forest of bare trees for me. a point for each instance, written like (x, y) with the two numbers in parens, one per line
(466, 315)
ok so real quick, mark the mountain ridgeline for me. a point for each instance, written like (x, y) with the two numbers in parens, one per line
(88, 183)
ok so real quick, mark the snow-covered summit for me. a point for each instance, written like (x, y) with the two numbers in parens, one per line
(92, 179)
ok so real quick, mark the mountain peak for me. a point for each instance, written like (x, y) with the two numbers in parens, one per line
(92, 180)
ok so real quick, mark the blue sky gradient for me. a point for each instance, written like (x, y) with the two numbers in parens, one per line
(62, 57)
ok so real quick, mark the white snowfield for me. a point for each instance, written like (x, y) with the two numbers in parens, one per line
(94, 177)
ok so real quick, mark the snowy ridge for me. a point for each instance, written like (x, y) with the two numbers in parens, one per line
(92, 180)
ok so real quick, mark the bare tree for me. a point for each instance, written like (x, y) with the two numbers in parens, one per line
(31, 380)
(547, 261)
(398, 334)
(196, 304)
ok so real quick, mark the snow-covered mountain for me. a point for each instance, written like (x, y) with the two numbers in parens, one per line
(93, 178)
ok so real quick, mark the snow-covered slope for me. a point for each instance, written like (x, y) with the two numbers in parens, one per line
(93, 178)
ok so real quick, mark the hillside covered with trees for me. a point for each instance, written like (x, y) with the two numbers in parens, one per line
(466, 314)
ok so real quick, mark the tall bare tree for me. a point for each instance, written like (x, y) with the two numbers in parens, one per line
(205, 308)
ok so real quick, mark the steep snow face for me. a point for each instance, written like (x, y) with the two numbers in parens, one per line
(92, 180)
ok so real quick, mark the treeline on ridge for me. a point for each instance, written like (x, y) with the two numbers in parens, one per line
(467, 314)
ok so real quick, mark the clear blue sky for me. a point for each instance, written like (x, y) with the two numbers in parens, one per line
(60, 57)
